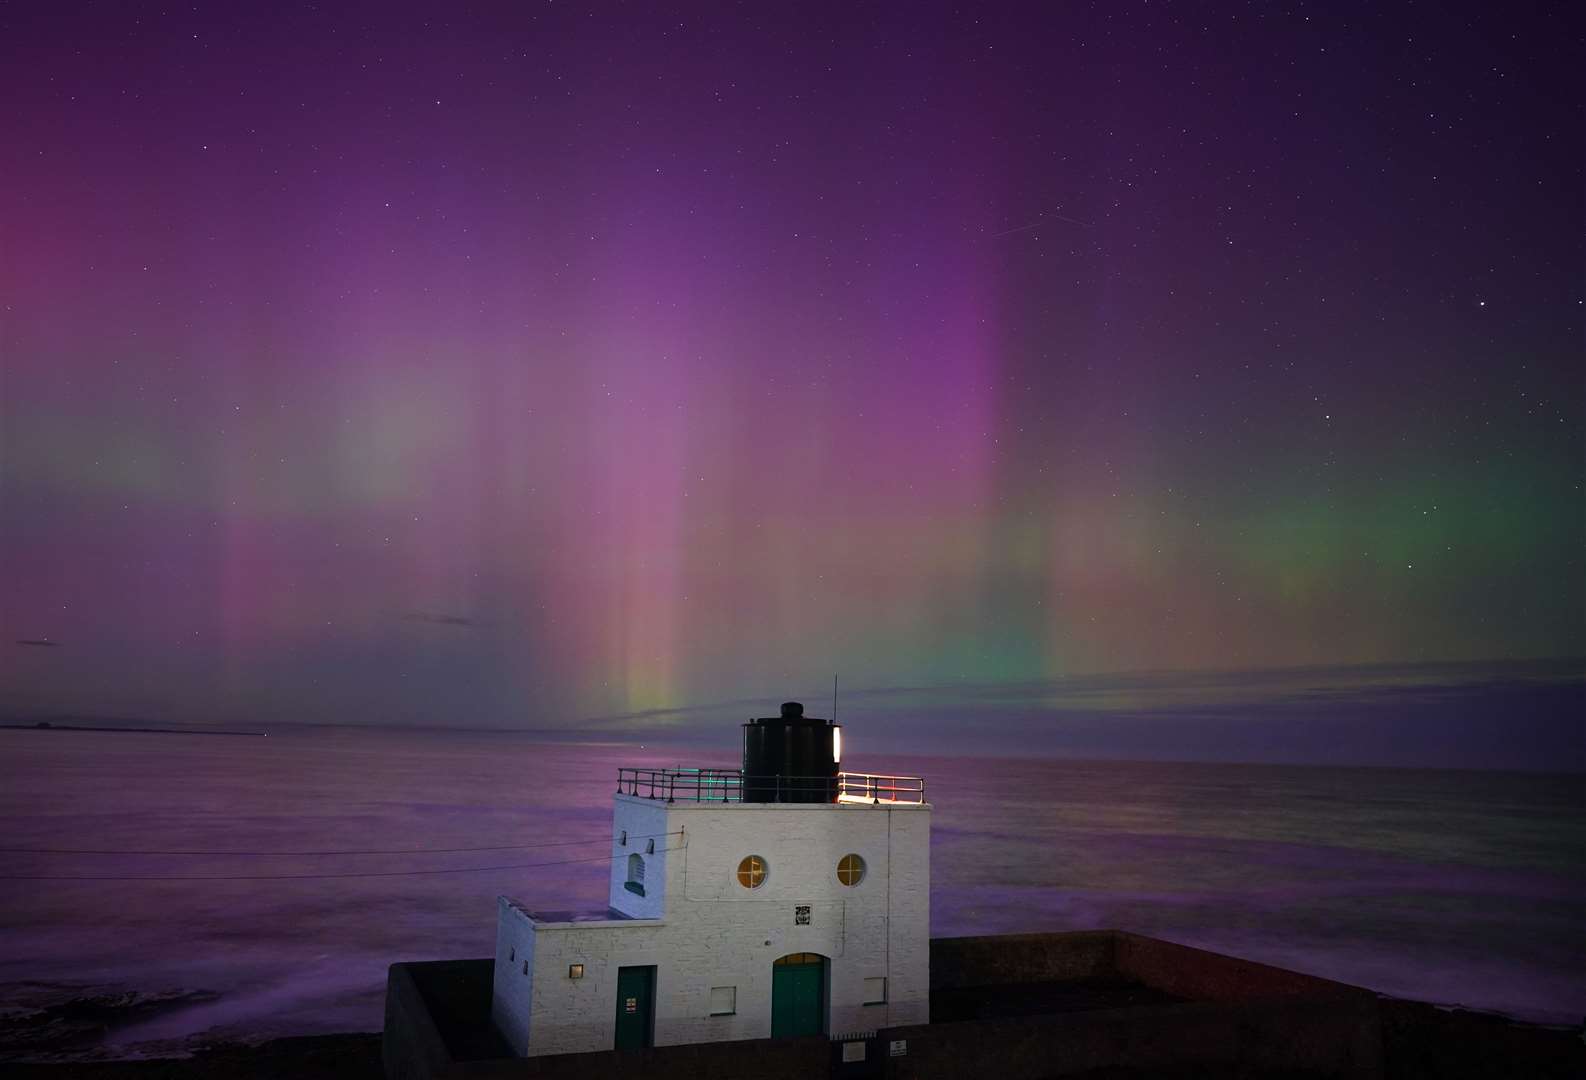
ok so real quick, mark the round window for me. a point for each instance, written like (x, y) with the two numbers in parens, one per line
(751, 872)
(850, 870)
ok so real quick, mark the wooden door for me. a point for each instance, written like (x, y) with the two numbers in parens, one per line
(798, 995)
(635, 1007)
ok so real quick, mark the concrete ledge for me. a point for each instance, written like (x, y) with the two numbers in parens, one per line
(1207, 976)
(1301, 1038)
(437, 1019)
(764, 1059)
(1426, 1042)
(1002, 959)
(410, 1044)
(1188, 1013)
(1179, 970)
(1215, 1010)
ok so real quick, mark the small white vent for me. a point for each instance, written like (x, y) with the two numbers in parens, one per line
(876, 991)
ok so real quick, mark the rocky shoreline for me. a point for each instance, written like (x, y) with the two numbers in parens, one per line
(305, 1057)
(61, 1030)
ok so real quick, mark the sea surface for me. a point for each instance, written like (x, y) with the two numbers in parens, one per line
(1456, 887)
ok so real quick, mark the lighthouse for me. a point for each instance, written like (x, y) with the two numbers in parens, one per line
(784, 898)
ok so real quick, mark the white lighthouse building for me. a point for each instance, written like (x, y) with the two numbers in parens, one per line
(785, 898)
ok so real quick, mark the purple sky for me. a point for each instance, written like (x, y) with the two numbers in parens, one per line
(517, 365)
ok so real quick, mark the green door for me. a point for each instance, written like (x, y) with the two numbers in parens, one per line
(798, 995)
(635, 1006)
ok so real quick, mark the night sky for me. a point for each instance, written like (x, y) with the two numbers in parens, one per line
(523, 365)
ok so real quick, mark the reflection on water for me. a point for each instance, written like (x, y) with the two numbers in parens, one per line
(1447, 886)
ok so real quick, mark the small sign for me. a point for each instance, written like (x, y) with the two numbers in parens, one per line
(898, 1048)
(853, 1051)
(801, 915)
(633, 1005)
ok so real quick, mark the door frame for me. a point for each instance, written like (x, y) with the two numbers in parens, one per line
(649, 1020)
(824, 1009)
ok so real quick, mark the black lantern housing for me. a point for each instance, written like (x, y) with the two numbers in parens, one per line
(790, 758)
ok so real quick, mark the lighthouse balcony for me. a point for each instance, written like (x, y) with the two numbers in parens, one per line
(728, 786)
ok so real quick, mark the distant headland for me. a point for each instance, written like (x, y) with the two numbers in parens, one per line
(69, 725)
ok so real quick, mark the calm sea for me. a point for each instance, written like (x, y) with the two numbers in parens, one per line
(1453, 887)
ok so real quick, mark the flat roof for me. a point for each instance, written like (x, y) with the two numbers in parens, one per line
(843, 803)
(587, 916)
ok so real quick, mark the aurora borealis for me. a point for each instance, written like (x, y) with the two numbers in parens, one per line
(515, 366)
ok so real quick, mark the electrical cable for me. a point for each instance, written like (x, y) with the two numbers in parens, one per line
(283, 854)
(316, 877)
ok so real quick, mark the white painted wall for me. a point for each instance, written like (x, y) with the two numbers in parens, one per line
(513, 987)
(643, 820)
(909, 949)
(713, 932)
(581, 1014)
(879, 928)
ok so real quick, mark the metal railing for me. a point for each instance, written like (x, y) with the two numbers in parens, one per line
(727, 785)
(871, 787)
(689, 785)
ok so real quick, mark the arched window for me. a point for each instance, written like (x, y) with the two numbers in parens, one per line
(850, 870)
(751, 872)
(635, 882)
(798, 959)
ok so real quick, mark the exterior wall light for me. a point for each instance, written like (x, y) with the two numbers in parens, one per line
(575, 971)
